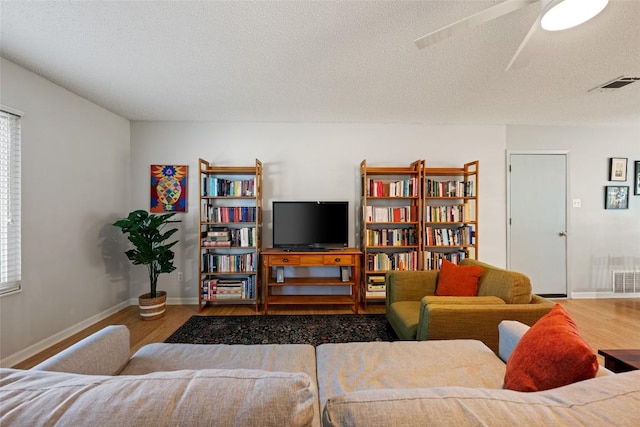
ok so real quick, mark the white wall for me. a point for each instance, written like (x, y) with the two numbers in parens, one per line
(75, 182)
(311, 162)
(599, 240)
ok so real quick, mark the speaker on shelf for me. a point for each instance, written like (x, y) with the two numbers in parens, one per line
(280, 274)
(344, 274)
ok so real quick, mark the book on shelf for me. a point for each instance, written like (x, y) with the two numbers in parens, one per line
(216, 243)
(376, 294)
(217, 232)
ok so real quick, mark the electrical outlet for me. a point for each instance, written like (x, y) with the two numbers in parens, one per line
(180, 276)
(577, 203)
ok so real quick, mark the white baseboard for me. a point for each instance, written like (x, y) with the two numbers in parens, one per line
(602, 294)
(36, 348)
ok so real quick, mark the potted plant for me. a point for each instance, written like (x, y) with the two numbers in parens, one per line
(146, 232)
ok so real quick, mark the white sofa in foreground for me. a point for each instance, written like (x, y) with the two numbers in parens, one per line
(455, 382)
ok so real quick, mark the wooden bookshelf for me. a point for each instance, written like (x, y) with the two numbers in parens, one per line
(450, 217)
(230, 234)
(390, 231)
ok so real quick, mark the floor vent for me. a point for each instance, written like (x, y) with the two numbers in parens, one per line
(616, 83)
(626, 282)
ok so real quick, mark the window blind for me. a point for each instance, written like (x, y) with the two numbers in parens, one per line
(10, 216)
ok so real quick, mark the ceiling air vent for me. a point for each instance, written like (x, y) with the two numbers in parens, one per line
(616, 83)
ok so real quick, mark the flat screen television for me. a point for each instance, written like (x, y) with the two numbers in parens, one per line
(300, 225)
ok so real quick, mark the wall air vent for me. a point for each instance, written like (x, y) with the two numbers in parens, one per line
(616, 83)
(626, 282)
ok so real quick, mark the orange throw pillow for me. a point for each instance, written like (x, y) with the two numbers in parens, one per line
(550, 354)
(458, 281)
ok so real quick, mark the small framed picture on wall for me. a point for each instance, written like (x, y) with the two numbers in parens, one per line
(618, 169)
(636, 179)
(616, 197)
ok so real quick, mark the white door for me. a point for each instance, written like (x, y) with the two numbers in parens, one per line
(537, 219)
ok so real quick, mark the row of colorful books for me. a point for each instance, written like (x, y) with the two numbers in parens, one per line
(436, 188)
(244, 237)
(460, 236)
(228, 214)
(229, 263)
(457, 213)
(433, 260)
(400, 188)
(390, 214)
(391, 237)
(392, 261)
(220, 187)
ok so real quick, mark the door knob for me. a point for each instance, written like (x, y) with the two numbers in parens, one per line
(562, 234)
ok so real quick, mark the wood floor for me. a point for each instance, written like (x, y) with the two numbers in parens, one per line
(604, 323)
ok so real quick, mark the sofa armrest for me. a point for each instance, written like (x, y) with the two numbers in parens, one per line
(409, 285)
(469, 321)
(510, 332)
(105, 352)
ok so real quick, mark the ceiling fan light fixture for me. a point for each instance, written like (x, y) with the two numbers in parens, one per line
(565, 14)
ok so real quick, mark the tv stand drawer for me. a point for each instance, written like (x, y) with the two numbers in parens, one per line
(284, 259)
(338, 260)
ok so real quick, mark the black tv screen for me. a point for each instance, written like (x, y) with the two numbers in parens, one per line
(310, 225)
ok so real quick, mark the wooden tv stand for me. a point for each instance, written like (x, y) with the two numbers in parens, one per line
(347, 257)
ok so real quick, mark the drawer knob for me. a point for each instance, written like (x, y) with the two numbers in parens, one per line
(337, 260)
(285, 259)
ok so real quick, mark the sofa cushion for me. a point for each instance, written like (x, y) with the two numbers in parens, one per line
(458, 280)
(511, 286)
(343, 368)
(604, 401)
(550, 354)
(268, 357)
(190, 398)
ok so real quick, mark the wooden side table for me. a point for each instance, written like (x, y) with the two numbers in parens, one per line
(621, 360)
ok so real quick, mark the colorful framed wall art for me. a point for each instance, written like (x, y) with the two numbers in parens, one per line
(169, 188)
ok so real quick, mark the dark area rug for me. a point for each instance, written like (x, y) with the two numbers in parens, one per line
(284, 329)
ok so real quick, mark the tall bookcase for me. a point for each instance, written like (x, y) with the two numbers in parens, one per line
(230, 234)
(450, 218)
(390, 225)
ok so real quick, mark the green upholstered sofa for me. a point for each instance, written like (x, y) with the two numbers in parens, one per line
(415, 313)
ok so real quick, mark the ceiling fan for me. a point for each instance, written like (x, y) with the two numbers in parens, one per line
(554, 15)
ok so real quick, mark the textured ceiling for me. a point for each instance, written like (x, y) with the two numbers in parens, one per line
(324, 61)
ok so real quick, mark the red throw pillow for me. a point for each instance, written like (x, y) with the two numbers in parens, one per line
(457, 280)
(550, 354)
